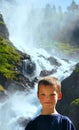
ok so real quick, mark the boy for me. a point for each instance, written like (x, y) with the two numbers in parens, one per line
(49, 92)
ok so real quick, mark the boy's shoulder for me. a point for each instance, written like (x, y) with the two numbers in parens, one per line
(65, 118)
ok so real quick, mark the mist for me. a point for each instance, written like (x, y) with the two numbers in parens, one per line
(31, 27)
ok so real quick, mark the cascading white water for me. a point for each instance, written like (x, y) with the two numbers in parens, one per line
(16, 109)
(20, 106)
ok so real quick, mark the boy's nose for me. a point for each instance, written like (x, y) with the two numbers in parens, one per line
(47, 97)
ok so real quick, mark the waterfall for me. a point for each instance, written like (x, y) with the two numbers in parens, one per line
(19, 107)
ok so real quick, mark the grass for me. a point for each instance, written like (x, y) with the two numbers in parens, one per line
(9, 58)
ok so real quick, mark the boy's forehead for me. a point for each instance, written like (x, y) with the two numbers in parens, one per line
(48, 79)
(47, 87)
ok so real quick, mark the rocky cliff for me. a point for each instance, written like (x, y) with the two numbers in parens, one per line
(69, 105)
(3, 29)
(11, 63)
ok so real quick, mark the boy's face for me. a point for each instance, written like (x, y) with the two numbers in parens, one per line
(48, 96)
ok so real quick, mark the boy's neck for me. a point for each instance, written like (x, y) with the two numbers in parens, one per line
(49, 112)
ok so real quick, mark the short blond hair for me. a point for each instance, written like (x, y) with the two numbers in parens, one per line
(49, 80)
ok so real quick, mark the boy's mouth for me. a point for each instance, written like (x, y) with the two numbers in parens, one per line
(47, 102)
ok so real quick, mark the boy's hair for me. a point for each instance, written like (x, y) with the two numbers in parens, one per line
(49, 80)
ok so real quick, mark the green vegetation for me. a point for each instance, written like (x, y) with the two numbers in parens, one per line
(75, 102)
(77, 70)
(1, 88)
(1, 22)
(64, 48)
(9, 59)
(67, 48)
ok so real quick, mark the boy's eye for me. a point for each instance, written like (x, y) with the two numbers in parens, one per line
(42, 94)
(52, 95)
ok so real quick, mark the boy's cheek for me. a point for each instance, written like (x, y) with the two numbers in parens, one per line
(39, 97)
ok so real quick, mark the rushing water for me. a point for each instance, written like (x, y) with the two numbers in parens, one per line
(20, 106)
(16, 109)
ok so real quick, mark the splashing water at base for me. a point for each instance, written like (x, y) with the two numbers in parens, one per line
(17, 109)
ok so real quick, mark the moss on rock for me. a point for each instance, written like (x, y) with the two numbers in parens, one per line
(9, 58)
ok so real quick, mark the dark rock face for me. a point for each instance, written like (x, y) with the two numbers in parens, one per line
(53, 61)
(71, 85)
(3, 96)
(2, 79)
(46, 73)
(23, 122)
(70, 91)
(3, 29)
(74, 112)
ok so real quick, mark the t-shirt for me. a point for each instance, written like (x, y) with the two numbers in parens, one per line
(50, 122)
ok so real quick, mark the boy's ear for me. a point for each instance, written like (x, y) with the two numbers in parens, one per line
(59, 96)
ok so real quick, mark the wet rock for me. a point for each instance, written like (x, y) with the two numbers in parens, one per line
(23, 122)
(54, 61)
(29, 67)
(46, 73)
(70, 90)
